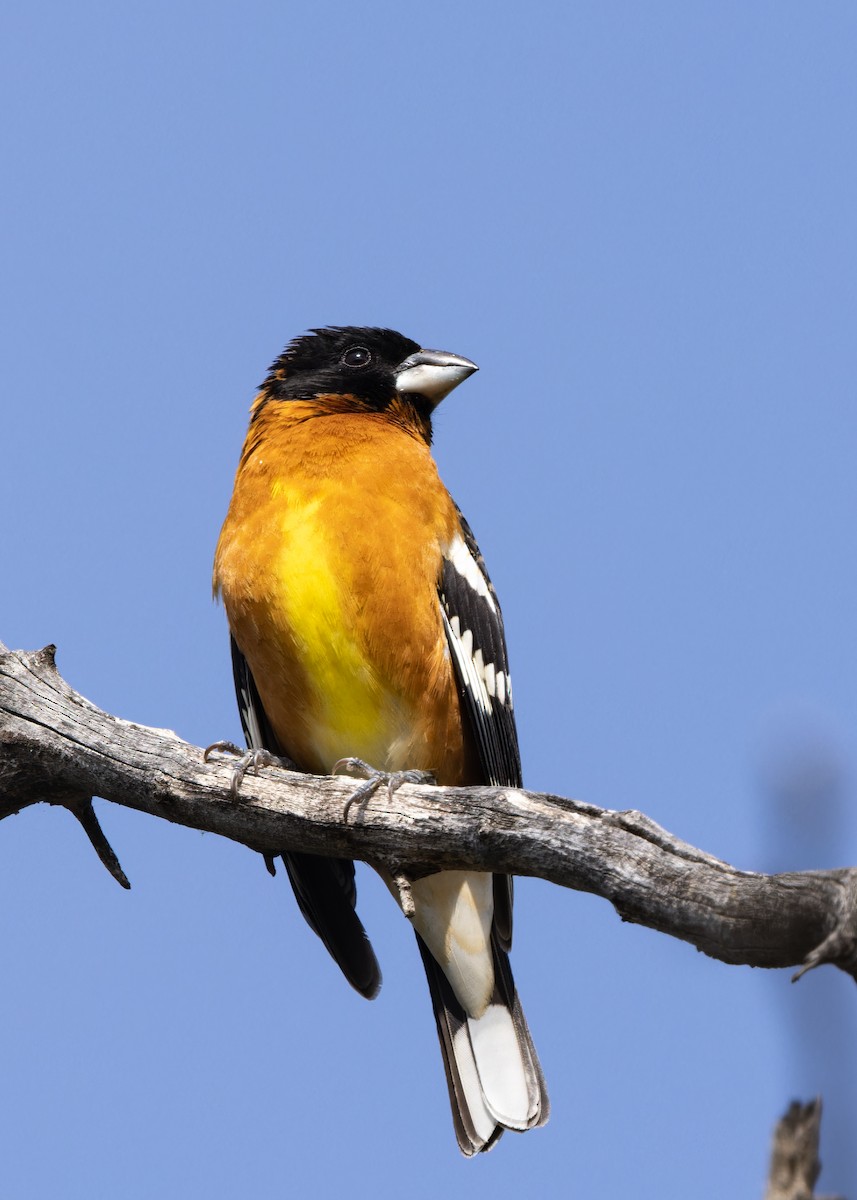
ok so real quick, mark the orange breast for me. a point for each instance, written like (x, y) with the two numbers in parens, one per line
(328, 565)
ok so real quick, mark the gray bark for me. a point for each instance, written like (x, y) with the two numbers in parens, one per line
(57, 747)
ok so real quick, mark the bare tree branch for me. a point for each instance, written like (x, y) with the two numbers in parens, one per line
(57, 747)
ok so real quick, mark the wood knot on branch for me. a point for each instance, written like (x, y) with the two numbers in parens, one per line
(839, 947)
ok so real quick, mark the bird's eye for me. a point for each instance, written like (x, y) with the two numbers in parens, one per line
(356, 356)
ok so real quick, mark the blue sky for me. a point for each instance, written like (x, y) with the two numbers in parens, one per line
(639, 219)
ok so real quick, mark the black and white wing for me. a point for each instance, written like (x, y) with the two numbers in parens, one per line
(474, 630)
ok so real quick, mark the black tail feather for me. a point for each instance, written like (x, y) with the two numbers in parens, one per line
(324, 890)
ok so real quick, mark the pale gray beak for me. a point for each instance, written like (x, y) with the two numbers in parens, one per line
(432, 374)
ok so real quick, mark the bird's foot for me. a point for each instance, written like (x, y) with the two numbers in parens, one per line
(248, 760)
(375, 779)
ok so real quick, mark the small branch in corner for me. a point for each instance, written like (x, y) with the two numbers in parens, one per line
(795, 1164)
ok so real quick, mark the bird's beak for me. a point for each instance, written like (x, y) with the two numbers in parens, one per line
(432, 374)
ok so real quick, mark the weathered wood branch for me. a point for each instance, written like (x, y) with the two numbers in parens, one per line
(795, 1164)
(57, 747)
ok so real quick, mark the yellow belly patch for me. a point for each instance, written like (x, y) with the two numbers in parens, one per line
(352, 713)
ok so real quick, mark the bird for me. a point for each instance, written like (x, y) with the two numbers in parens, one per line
(364, 627)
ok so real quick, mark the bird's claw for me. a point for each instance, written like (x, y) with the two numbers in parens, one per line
(248, 760)
(220, 748)
(374, 779)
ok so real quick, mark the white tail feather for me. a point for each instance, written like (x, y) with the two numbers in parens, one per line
(484, 1121)
(503, 1075)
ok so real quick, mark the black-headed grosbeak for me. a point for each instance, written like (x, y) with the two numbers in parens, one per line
(363, 623)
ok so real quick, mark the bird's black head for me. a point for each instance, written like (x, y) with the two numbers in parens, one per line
(348, 361)
(372, 365)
